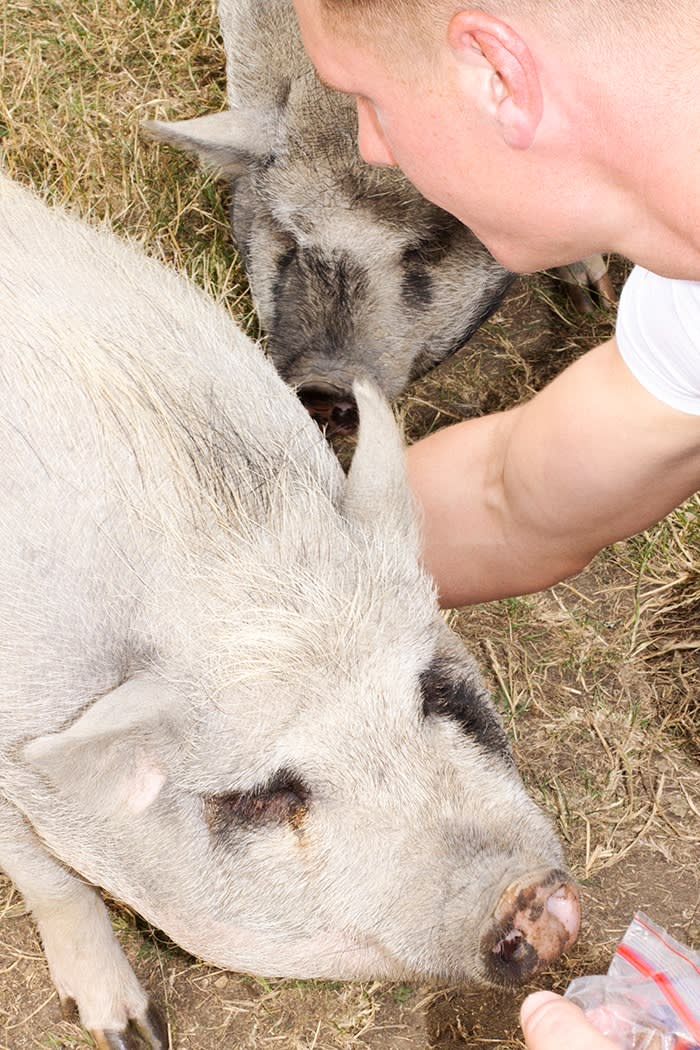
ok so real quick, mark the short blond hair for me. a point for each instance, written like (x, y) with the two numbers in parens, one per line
(585, 22)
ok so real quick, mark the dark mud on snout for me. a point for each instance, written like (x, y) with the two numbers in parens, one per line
(536, 920)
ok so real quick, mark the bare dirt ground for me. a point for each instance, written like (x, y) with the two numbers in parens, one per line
(598, 678)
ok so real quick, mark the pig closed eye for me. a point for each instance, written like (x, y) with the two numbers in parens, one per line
(281, 800)
(447, 694)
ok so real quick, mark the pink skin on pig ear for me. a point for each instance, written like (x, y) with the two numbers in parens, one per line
(114, 753)
(144, 788)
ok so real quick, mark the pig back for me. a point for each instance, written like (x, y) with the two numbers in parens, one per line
(135, 418)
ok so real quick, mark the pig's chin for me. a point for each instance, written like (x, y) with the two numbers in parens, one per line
(325, 956)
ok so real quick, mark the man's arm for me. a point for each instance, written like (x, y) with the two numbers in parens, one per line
(516, 501)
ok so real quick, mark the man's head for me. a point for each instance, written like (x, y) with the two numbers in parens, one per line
(527, 119)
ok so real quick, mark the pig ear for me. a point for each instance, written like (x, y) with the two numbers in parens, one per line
(114, 753)
(222, 141)
(377, 490)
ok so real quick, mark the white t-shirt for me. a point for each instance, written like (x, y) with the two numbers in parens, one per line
(658, 333)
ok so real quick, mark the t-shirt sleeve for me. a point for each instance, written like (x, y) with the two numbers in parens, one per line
(658, 333)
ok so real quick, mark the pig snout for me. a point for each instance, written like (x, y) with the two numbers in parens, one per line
(535, 920)
(330, 407)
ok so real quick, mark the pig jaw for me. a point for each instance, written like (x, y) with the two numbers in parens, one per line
(327, 955)
(536, 919)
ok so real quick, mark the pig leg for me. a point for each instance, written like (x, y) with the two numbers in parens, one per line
(87, 965)
(589, 273)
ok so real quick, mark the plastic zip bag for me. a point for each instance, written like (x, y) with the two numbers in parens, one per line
(650, 997)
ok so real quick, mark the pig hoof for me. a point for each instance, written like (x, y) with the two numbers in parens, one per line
(589, 273)
(604, 287)
(153, 1028)
(535, 921)
(148, 1031)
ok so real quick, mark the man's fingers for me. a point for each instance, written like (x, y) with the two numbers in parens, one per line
(552, 1023)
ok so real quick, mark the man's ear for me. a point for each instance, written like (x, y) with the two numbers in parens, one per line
(513, 94)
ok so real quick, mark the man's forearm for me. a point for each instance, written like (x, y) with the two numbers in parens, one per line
(471, 545)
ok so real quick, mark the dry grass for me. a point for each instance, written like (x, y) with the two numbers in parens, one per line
(598, 678)
(78, 78)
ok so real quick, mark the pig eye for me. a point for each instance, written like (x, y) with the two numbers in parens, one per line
(283, 799)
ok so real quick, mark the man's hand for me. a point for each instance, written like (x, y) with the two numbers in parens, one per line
(552, 1023)
(516, 501)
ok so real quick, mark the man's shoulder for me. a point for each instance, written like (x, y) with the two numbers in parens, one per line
(644, 286)
(658, 333)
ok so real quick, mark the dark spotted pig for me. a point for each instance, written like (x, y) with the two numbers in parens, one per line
(228, 697)
(351, 270)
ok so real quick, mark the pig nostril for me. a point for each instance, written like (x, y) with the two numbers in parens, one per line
(344, 416)
(511, 947)
(332, 408)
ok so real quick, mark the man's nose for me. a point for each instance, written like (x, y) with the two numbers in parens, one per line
(371, 143)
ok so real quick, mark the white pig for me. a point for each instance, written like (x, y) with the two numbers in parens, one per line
(228, 696)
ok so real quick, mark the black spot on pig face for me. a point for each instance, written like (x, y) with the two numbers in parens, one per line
(424, 260)
(320, 290)
(448, 695)
(416, 282)
(281, 800)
